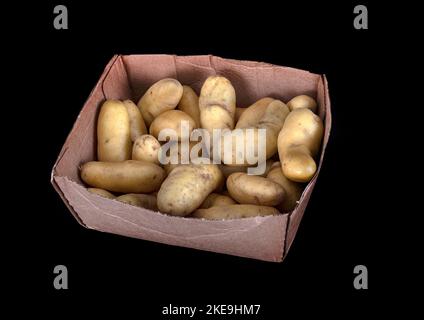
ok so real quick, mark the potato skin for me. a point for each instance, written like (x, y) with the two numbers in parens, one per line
(252, 114)
(189, 104)
(298, 143)
(113, 132)
(302, 101)
(146, 201)
(171, 120)
(101, 192)
(146, 148)
(128, 176)
(249, 189)
(216, 200)
(162, 96)
(186, 187)
(268, 114)
(293, 190)
(235, 211)
(137, 125)
(217, 104)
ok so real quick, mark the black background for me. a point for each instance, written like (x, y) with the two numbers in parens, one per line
(344, 224)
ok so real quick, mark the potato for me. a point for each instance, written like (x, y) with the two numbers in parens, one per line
(268, 114)
(137, 125)
(128, 176)
(216, 200)
(172, 119)
(293, 190)
(298, 143)
(234, 211)
(254, 113)
(238, 113)
(140, 200)
(217, 104)
(162, 96)
(101, 192)
(171, 166)
(113, 132)
(186, 187)
(249, 189)
(189, 104)
(146, 148)
(302, 101)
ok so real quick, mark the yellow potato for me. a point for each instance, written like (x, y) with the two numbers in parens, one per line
(249, 189)
(162, 96)
(146, 148)
(216, 200)
(101, 192)
(189, 104)
(302, 101)
(293, 190)
(137, 125)
(113, 132)
(298, 143)
(128, 176)
(170, 165)
(217, 104)
(174, 120)
(140, 200)
(268, 114)
(234, 211)
(239, 112)
(186, 187)
(254, 113)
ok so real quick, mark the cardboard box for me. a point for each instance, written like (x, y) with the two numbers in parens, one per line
(128, 77)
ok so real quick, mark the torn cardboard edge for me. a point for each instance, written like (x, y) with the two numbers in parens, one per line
(267, 238)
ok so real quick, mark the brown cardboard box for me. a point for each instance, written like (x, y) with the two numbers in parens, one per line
(266, 238)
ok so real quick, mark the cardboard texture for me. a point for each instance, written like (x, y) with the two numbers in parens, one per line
(128, 77)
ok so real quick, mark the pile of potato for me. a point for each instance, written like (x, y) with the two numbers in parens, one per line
(128, 167)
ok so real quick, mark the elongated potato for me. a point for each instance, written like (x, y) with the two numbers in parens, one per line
(186, 187)
(266, 114)
(101, 192)
(298, 143)
(189, 104)
(216, 200)
(146, 148)
(128, 176)
(302, 101)
(137, 125)
(249, 189)
(140, 200)
(217, 104)
(172, 120)
(292, 190)
(234, 211)
(254, 113)
(113, 132)
(162, 96)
